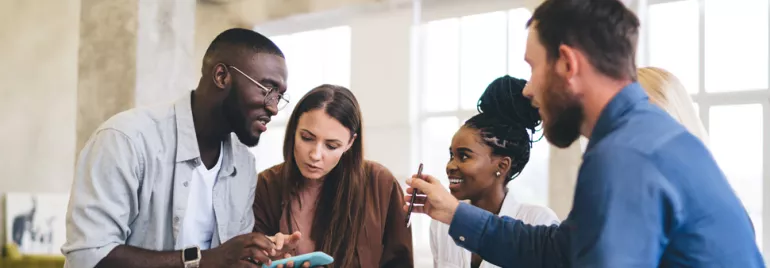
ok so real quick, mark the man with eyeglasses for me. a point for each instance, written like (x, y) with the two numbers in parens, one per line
(169, 186)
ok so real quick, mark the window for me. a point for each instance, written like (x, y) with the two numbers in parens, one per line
(313, 58)
(435, 144)
(461, 57)
(675, 21)
(441, 78)
(744, 172)
(726, 71)
(482, 54)
(735, 60)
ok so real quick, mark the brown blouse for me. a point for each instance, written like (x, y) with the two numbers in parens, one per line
(303, 213)
(385, 241)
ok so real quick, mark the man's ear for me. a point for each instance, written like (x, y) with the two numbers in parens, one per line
(567, 64)
(221, 76)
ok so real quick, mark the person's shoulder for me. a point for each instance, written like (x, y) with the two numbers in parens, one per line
(614, 163)
(618, 167)
(645, 130)
(140, 121)
(538, 215)
(379, 173)
(640, 140)
(375, 167)
(272, 174)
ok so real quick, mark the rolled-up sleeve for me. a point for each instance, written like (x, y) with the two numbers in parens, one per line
(103, 198)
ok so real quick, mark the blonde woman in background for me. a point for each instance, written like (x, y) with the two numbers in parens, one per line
(666, 91)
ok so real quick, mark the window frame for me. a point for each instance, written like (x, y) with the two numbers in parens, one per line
(706, 100)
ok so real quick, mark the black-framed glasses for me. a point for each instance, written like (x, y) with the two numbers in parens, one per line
(272, 96)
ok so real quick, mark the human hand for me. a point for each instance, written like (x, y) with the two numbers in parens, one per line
(291, 263)
(433, 199)
(285, 243)
(240, 251)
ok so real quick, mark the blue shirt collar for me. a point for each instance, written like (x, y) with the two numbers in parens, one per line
(617, 107)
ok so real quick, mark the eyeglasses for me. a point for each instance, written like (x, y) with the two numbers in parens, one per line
(272, 96)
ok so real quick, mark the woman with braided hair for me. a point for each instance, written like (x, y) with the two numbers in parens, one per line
(487, 152)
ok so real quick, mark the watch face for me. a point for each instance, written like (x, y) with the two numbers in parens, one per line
(190, 254)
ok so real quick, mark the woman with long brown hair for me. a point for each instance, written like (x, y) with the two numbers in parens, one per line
(342, 205)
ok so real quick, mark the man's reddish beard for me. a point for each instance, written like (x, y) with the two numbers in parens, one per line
(562, 111)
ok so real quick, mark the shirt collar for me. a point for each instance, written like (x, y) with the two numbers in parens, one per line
(510, 205)
(615, 109)
(187, 140)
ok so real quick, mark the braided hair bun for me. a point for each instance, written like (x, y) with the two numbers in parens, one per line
(507, 121)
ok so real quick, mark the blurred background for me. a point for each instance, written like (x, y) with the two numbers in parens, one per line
(416, 67)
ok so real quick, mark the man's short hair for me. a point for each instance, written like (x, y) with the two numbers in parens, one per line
(245, 38)
(605, 30)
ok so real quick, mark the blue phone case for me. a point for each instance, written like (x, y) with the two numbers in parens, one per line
(315, 258)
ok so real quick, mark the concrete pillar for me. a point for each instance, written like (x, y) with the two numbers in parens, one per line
(564, 165)
(132, 53)
(165, 42)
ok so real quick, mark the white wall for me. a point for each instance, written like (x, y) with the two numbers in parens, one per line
(38, 71)
(380, 78)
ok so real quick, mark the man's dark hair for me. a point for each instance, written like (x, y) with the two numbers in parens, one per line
(245, 38)
(605, 30)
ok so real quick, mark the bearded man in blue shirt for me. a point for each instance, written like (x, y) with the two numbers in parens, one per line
(649, 193)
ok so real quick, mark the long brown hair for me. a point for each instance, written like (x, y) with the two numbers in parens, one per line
(339, 212)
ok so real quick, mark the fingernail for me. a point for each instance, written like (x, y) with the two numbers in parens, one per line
(409, 181)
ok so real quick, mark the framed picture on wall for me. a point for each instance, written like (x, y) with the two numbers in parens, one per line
(34, 222)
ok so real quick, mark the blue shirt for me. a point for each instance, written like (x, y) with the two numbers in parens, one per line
(649, 194)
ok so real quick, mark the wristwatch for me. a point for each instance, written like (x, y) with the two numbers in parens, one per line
(191, 257)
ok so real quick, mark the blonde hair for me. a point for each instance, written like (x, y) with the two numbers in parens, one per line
(667, 92)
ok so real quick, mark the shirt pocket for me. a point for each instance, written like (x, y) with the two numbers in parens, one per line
(240, 198)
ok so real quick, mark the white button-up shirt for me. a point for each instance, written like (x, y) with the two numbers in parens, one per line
(447, 254)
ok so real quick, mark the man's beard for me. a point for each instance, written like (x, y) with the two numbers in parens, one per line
(563, 112)
(236, 119)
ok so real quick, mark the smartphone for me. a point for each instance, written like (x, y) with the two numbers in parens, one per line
(414, 196)
(317, 258)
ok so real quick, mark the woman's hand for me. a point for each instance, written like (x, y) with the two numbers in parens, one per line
(291, 263)
(284, 244)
